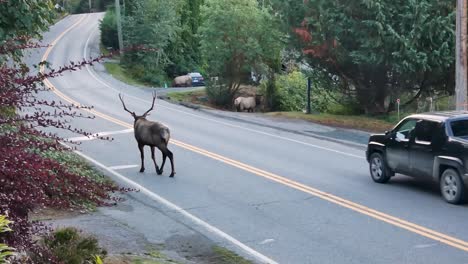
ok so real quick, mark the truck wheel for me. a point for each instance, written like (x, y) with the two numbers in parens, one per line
(378, 168)
(451, 187)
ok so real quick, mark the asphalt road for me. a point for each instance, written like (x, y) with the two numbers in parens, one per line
(268, 194)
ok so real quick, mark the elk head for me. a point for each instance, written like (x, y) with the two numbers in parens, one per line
(135, 116)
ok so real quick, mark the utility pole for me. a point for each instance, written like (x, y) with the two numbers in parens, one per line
(309, 84)
(119, 25)
(90, 6)
(461, 59)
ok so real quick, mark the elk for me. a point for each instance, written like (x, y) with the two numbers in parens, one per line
(245, 103)
(152, 134)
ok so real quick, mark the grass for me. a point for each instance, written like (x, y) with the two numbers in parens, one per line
(59, 16)
(149, 261)
(190, 96)
(71, 246)
(7, 111)
(119, 73)
(75, 164)
(154, 257)
(369, 124)
(105, 51)
(225, 256)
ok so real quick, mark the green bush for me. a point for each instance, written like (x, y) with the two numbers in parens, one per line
(154, 77)
(269, 90)
(82, 6)
(5, 250)
(291, 91)
(7, 111)
(108, 27)
(70, 247)
(218, 93)
(346, 107)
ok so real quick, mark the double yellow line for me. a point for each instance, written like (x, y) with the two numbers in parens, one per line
(417, 229)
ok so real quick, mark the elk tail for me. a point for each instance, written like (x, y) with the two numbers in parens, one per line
(165, 136)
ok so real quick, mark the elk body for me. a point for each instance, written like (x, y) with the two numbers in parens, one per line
(245, 103)
(182, 81)
(152, 134)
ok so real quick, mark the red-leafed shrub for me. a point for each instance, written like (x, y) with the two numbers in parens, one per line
(29, 180)
(32, 174)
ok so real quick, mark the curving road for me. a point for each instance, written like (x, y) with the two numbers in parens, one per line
(270, 195)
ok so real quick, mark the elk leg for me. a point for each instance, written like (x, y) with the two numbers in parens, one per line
(164, 156)
(167, 153)
(140, 146)
(171, 158)
(159, 172)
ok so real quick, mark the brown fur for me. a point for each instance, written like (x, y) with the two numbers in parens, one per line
(245, 103)
(182, 81)
(154, 135)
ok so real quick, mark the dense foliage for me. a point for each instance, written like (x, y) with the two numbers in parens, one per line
(5, 250)
(171, 28)
(72, 247)
(290, 91)
(368, 53)
(31, 175)
(82, 6)
(380, 49)
(30, 180)
(108, 27)
(183, 51)
(18, 24)
(152, 23)
(231, 46)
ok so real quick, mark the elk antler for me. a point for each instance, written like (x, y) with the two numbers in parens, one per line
(152, 105)
(125, 108)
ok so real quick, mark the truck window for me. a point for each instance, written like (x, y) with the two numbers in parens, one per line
(425, 130)
(404, 129)
(460, 128)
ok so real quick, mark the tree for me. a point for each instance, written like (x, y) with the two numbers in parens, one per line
(108, 27)
(153, 24)
(380, 48)
(236, 37)
(183, 51)
(18, 24)
(82, 6)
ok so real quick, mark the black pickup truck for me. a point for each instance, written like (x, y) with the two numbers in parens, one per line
(431, 145)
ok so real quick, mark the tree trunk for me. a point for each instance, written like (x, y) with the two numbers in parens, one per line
(372, 96)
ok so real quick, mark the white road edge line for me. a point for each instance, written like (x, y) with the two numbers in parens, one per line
(123, 167)
(213, 120)
(214, 230)
(100, 134)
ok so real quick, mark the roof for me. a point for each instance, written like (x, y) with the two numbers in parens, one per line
(442, 116)
(195, 74)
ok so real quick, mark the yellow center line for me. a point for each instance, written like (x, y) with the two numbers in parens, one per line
(395, 221)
